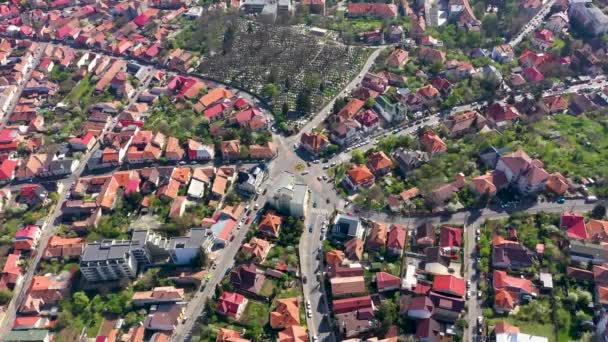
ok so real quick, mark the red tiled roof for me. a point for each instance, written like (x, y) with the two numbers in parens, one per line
(575, 225)
(450, 237)
(449, 284)
(385, 280)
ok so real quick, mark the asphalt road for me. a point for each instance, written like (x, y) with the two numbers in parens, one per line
(37, 55)
(310, 266)
(224, 263)
(533, 24)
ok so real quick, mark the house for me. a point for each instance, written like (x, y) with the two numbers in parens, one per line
(597, 230)
(387, 282)
(368, 119)
(355, 323)
(173, 150)
(449, 284)
(574, 224)
(270, 224)
(294, 333)
(7, 170)
(430, 55)
(396, 240)
(532, 74)
(252, 119)
(353, 249)
(558, 22)
(227, 335)
(266, 151)
(508, 254)
(359, 176)
(397, 58)
(352, 304)
(588, 253)
(256, 248)
(432, 143)
(286, 313)
(314, 143)
(377, 237)
(63, 248)
(504, 332)
(503, 53)
(428, 330)
(543, 39)
(350, 110)
(347, 286)
(165, 318)
(84, 142)
(390, 111)
(346, 225)
(526, 174)
(464, 123)
(447, 308)
(408, 160)
(27, 237)
(246, 278)
(519, 286)
(553, 104)
(489, 183)
(379, 163)
(11, 272)
(334, 258)
(436, 261)
(445, 192)
(425, 235)
(501, 114)
(581, 103)
(231, 304)
(199, 151)
(346, 132)
(158, 295)
(249, 182)
(230, 149)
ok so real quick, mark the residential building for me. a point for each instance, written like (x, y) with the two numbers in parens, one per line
(432, 143)
(287, 196)
(387, 282)
(314, 143)
(353, 249)
(376, 239)
(396, 240)
(231, 304)
(270, 224)
(158, 295)
(108, 260)
(346, 225)
(347, 286)
(358, 176)
(588, 17)
(166, 317)
(286, 313)
(256, 249)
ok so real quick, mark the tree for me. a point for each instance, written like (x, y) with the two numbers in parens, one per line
(599, 211)
(244, 152)
(358, 157)
(81, 301)
(270, 90)
(5, 296)
(489, 24)
(387, 315)
(303, 102)
(285, 109)
(203, 258)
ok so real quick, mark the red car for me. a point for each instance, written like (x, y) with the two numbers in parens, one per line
(248, 220)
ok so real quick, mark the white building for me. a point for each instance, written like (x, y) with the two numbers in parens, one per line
(287, 196)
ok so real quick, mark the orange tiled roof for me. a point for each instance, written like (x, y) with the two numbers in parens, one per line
(287, 313)
(270, 224)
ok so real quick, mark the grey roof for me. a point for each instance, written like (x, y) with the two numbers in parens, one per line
(27, 335)
(547, 280)
(589, 250)
(299, 193)
(64, 165)
(195, 238)
(105, 250)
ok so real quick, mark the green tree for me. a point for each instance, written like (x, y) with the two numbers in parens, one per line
(270, 90)
(81, 301)
(358, 157)
(203, 258)
(303, 102)
(5, 296)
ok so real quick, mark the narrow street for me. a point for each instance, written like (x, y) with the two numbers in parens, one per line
(533, 24)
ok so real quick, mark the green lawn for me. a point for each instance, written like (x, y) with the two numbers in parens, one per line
(255, 312)
(83, 90)
(267, 288)
(532, 328)
(290, 292)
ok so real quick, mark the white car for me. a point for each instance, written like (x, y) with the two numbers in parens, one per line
(309, 313)
(308, 304)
